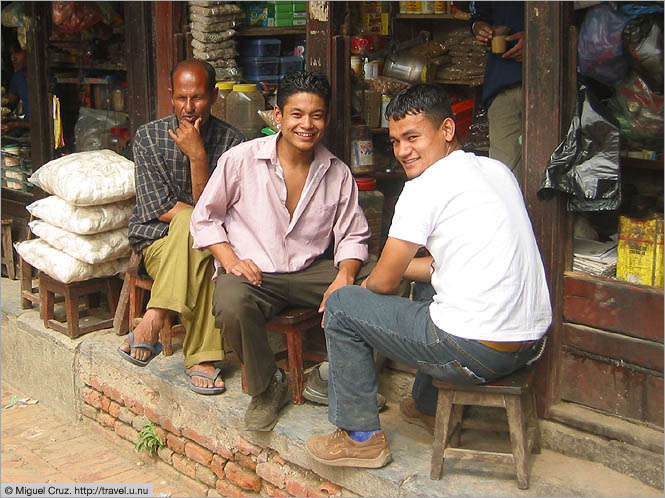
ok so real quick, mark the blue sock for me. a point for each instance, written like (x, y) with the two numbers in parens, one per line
(362, 436)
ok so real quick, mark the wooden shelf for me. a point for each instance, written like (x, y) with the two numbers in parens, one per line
(272, 31)
(395, 175)
(634, 162)
(97, 67)
(378, 131)
(430, 16)
(474, 82)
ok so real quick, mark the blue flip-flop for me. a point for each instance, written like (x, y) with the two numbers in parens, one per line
(154, 351)
(205, 390)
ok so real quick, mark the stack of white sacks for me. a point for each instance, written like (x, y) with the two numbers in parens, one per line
(213, 36)
(82, 226)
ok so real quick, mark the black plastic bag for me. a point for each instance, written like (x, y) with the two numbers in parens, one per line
(586, 164)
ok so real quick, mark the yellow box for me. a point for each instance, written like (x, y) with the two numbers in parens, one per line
(640, 251)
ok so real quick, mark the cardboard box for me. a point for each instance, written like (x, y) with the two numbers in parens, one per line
(281, 7)
(640, 251)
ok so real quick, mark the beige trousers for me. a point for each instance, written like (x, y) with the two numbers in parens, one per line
(183, 284)
(505, 120)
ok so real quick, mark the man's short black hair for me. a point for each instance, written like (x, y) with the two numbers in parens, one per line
(210, 72)
(430, 99)
(303, 81)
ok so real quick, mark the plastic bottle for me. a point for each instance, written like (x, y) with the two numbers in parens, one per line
(219, 108)
(242, 106)
(371, 202)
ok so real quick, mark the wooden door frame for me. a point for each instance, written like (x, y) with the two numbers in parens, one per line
(549, 90)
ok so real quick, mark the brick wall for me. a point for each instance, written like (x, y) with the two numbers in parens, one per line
(244, 469)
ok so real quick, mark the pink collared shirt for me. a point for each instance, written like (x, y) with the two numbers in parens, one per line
(244, 204)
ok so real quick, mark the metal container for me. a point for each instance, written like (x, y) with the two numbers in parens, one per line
(410, 68)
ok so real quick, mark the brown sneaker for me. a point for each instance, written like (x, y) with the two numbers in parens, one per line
(339, 450)
(412, 415)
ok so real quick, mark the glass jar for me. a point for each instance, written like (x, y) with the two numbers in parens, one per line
(218, 109)
(242, 106)
(362, 150)
(371, 202)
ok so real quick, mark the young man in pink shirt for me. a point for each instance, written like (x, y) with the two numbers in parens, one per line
(268, 213)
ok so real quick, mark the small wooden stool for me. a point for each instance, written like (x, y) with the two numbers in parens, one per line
(294, 323)
(48, 286)
(132, 302)
(8, 249)
(515, 394)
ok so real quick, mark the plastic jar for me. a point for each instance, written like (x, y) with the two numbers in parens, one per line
(242, 106)
(371, 202)
(362, 150)
(357, 65)
(118, 99)
(218, 109)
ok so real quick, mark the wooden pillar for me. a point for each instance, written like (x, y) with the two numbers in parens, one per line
(139, 57)
(170, 20)
(324, 54)
(41, 128)
(547, 93)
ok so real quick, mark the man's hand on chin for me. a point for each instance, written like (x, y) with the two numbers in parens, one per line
(188, 138)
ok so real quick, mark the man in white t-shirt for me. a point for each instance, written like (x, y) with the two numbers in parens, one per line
(491, 302)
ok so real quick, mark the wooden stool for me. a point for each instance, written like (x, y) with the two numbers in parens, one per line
(8, 249)
(72, 292)
(29, 285)
(294, 323)
(138, 289)
(515, 394)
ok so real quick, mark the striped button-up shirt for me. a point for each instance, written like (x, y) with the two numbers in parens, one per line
(163, 175)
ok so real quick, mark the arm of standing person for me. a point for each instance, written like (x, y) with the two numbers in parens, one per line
(516, 51)
(481, 22)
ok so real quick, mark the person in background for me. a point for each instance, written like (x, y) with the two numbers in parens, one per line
(270, 211)
(174, 158)
(18, 89)
(502, 87)
(490, 304)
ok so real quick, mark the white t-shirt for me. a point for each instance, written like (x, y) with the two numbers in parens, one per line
(488, 275)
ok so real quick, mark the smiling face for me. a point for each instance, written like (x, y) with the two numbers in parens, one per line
(190, 95)
(304, 120)
(418, 143)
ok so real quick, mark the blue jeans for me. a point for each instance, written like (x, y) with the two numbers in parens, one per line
(357, 321)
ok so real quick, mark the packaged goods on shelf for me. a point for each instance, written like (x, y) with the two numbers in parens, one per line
(640, 250)
(213, 26)
(213, 36)
(260, 47)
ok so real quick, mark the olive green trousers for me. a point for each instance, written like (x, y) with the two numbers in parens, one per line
(183, 284)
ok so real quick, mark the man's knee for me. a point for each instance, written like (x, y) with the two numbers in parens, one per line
(339, 299)
(180, 222)
(232, 297)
